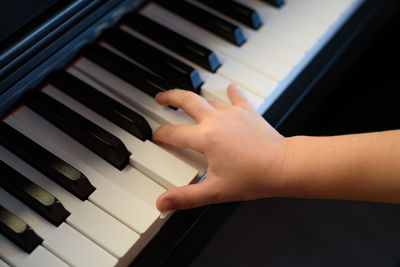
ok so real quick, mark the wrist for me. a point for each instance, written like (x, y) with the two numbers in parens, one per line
(295, 166)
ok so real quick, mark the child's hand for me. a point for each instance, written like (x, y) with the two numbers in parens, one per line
(245, 154)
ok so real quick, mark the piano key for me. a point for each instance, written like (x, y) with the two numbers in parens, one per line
(148, 158)
(87, 133)
(193, 51)
(18, 231)
(86, 218)
(97, 86)
(264, 44)
(315, 10)
(145, 81)
(55, 168)
(14, 256)
(288, 25)
(74, 248)
(214, 86)
(275, 3)
(32, 195)
(260, 82)
(164, 65)
(206, 20)
(255, 60)
(126, 118)
(237, 11)
(121, 203)
(194, 159)
(135, 97)
(338, 6)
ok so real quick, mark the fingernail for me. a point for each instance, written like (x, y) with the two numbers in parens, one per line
(166, 205)
(165, 214)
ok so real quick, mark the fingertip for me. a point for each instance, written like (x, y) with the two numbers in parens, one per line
(233, 88)
(164, 204)
(236, 97)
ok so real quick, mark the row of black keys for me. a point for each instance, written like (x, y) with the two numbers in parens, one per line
(87, 133)
(109, 147)
(170, 69)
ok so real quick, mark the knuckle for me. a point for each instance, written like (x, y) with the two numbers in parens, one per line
(188, 95)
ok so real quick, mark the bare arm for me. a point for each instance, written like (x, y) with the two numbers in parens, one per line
(363, 167)
(248, 159)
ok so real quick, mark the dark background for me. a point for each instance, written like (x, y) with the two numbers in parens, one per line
(290, 232)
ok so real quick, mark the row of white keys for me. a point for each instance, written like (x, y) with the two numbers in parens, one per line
(160, 165)
(62, 241)
(15, 256)
(85, 217)
(287, 24)
(147, 157)
(315, 10)
(337, 6)
(214, 86)
(229, 55)
(265, 45)
(324, 11)
(133, 96)
(122, 203)
(194, 159)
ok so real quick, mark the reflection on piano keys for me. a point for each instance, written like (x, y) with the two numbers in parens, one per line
(114, 220)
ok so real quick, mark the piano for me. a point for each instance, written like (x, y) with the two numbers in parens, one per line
(79, 174)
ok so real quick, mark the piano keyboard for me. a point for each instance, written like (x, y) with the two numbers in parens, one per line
(79, 174)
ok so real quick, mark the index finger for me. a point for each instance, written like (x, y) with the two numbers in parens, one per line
(193, 105)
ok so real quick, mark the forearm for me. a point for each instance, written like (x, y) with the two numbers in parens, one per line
(363, 167)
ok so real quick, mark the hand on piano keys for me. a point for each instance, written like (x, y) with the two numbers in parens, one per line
(114, 214)
(244, 153)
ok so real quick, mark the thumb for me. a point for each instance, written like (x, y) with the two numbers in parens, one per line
(187, 197)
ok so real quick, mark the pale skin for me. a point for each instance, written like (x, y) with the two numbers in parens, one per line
(248, 159)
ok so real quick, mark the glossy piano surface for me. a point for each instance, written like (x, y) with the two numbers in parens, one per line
(276, 67)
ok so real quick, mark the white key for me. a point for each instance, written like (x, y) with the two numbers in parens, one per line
(245, 77)
(120, 203)
(314, 10)
(153, 124)
(86, 218)
(194, 159)
(147, 157)
(253, 59)
(131, 95)
(338, 6)
(214, 87)
(264, 44)
(63, 241)
(15, 256)
(287, 25)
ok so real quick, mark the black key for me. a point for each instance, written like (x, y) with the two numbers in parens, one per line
(50, 165)
(84, 131)
(237, 11)
(181, 45)
(17, 231)
(32, 195)
(275, 3)
(157, 61)
(103, 104)
(208, 21)
(138, 77)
